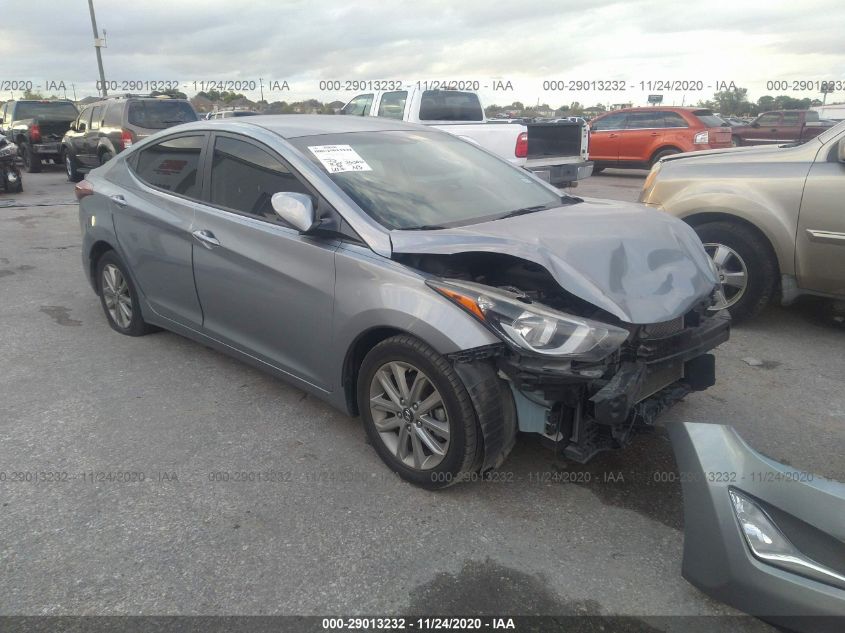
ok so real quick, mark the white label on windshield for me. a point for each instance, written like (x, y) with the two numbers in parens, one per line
(338, 158)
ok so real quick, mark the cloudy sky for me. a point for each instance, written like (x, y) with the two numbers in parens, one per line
(304, 42)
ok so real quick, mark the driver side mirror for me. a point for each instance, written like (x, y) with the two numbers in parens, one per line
(841, 152)
(297, 209)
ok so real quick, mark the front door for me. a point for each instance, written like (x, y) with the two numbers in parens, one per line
(604, 138)
(264, 288)
(820, 243)
(764, 130)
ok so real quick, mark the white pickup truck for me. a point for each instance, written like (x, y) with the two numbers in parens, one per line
(554, 151)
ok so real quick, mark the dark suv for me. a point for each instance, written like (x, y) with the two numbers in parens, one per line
(37, 126)
(107, 127)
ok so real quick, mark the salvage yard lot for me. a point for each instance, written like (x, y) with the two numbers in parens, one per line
(315, 524)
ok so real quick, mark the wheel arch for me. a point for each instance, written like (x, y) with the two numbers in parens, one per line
(354, 357)
(97, 250)
(663, 148)
(705, 217)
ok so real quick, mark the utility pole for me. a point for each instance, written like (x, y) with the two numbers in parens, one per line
(98, 44)
(261, 83)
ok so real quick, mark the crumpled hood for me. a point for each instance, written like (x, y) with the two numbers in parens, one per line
(640, 264)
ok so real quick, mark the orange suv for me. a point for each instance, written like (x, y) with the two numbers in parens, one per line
(638, 137)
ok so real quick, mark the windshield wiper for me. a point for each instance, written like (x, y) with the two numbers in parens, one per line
(524, 211)
(425, 227)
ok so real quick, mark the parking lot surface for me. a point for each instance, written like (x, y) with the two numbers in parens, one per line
(257, 499)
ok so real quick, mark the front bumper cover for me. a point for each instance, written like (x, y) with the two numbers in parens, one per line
(810, 511)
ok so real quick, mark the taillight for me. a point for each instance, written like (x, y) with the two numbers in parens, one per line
(702, 138)
(35, 133)
(127, 138)
(82, 189)
(521, 145)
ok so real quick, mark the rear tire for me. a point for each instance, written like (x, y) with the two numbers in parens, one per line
(119, 298)
(31, 159)
(736, 141)
(396, 424)
(742, 248)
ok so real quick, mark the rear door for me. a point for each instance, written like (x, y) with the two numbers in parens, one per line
(820, 242)
(392, 105)
(605, 136)
(790, 128)
(264, 288)
(153, 220)
(641, 136)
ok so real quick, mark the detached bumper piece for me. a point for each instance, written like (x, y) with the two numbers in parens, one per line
(758, 535)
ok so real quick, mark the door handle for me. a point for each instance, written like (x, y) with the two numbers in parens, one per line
(206, 238)
(119, 200)
(654, 133)
(612, 135)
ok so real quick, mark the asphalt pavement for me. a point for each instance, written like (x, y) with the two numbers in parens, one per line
(155, 476)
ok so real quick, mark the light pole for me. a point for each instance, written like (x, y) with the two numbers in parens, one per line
(98, 43)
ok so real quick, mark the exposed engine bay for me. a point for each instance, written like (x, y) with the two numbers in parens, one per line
(584, 407)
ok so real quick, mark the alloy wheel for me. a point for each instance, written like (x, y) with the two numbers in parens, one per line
(116, 296)
(409, 414)
(733, 273)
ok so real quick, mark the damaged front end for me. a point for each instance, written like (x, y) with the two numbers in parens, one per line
(579, 376)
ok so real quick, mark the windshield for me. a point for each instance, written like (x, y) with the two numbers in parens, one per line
(59, 110)
(409, 180)
(157, 115)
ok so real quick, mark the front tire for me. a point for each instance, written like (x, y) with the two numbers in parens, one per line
(747, 267)
(417, 413)
(118, 297)
(31, 159)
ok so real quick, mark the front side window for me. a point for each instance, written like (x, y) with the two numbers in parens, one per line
(768, 120)
(392, 104)
(172, 165)
(610, 122)
(244, 178)
(96, 115)
(424, 179)
(359, 106)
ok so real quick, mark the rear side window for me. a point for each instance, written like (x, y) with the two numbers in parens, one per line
(610, 122)
(245, 177)
(644, 120)
(811, 115)
(673, 119)
(392, 104)
(172, 165)
(161, 114)
(791, 118)
(708, 118)
(113, 116)
(450, 105)
(359, 106)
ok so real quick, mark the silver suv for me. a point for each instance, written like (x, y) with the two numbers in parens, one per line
(404, 274)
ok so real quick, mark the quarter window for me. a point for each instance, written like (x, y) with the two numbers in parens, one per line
(245, 177)
(172, 165)
(673, 119)
(113, 116)
(392, 104)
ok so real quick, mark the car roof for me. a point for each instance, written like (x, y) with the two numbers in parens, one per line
(662, 108)
(295, 125)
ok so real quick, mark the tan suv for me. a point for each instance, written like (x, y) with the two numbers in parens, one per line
(772, 218)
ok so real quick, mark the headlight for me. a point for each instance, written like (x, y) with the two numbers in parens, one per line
(702, 138)
(533, 327)
(8, 150)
